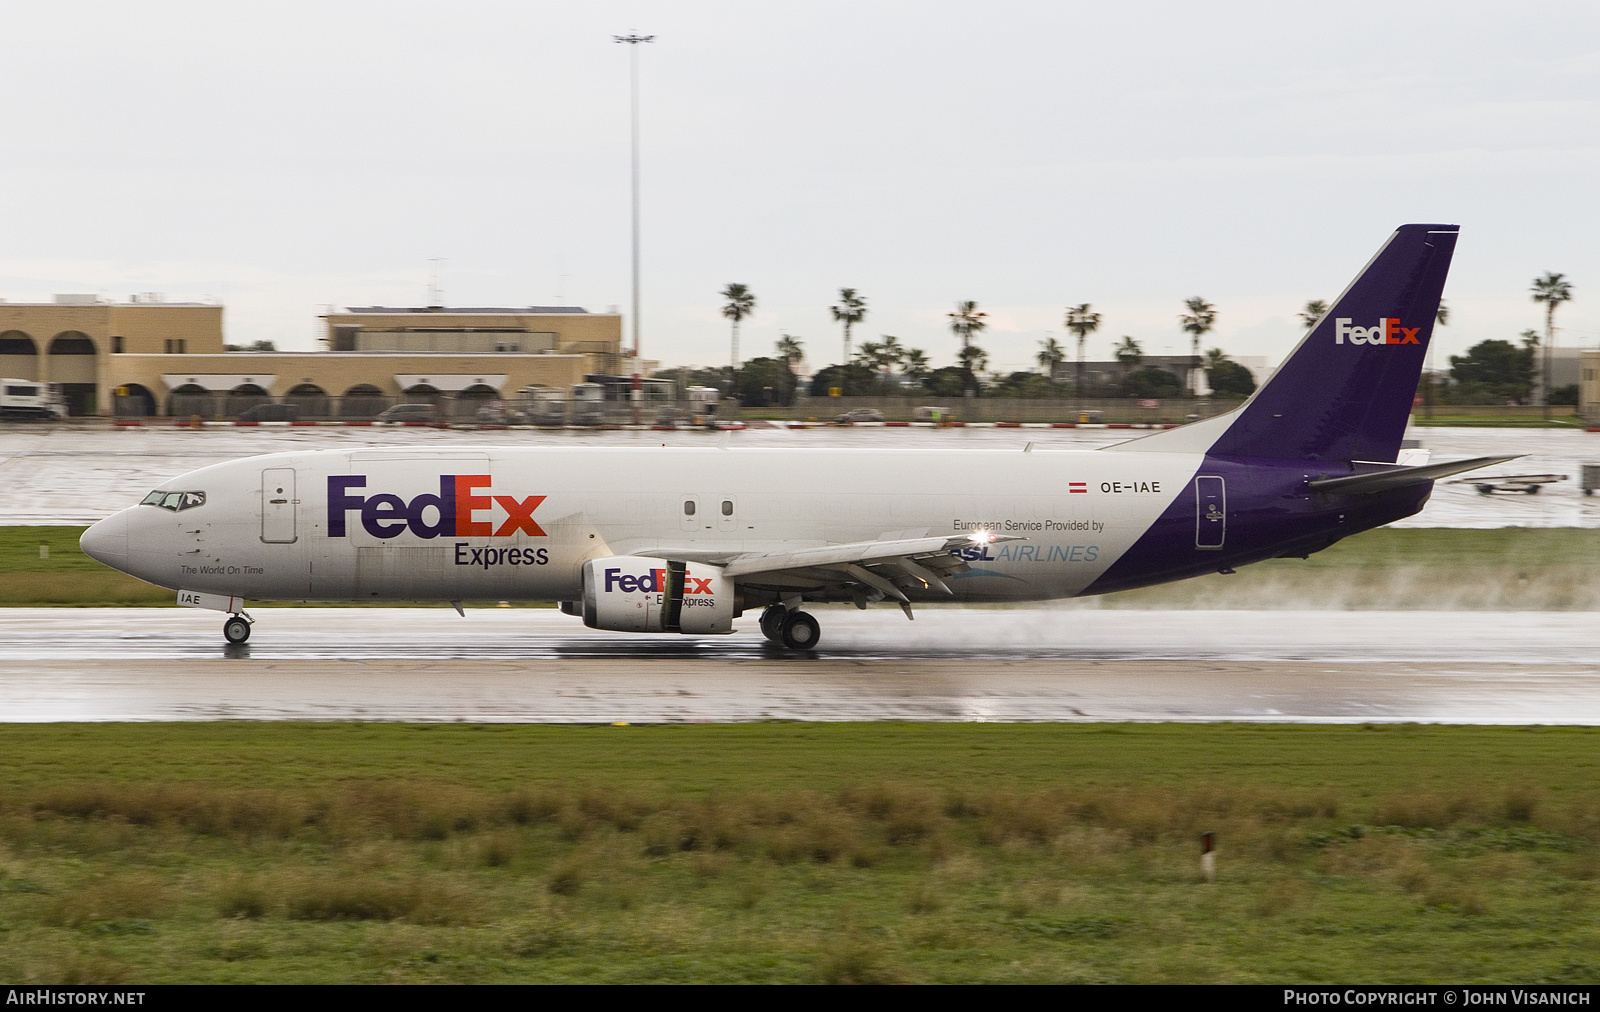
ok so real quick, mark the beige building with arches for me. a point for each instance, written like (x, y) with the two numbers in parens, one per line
(149, 357)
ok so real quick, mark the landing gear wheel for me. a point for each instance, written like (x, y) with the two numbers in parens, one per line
(800, 631)
(772, 622)
(236, 630)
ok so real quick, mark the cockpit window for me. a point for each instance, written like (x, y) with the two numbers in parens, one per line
(175, 501)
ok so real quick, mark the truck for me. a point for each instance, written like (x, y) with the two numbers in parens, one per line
(703, 406)
(588, 404)
(546, 406)
(27, 399)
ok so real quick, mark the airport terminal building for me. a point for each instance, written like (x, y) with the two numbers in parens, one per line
(148, 357)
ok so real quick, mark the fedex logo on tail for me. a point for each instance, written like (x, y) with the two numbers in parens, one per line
(1388, 331)
(458, 511)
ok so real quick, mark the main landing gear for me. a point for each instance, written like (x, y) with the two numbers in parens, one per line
(795, 630)
(236, 630)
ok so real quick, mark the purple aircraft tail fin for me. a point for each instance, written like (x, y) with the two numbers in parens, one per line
(1346, 392)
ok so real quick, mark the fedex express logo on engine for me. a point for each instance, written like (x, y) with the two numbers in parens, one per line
(458, 511)
(1388, 331)
(654, 582)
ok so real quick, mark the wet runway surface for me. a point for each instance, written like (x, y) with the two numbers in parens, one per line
(952, 664)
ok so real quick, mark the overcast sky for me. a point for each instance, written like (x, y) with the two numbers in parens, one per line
(286, 156)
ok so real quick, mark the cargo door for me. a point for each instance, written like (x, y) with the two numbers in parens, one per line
(1210, 512)
(278, 505)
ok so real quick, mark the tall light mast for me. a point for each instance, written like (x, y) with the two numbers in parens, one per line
(633, 39)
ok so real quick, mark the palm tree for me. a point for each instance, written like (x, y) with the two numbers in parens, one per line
(1553, 289)
(965, 322)
(893, 354)
(1130, 354)
(1315, 310)
(851, 310)
(1051, 354)
(790, 351)
(1082, 322)
(741, 303)
(1202, 316)
(869, 354)
(973, 359)
(916, 363)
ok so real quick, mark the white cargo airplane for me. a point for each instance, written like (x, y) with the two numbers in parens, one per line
(687, 540)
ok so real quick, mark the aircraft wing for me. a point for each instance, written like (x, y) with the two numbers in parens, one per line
(866, 571)
(1400, 477)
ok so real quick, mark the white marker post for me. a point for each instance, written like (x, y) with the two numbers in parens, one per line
(1208, 856)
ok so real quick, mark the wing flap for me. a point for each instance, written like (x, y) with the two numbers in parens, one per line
(859, 553)
(867, 570)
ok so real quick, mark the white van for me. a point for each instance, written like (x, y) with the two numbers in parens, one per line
(27, 399)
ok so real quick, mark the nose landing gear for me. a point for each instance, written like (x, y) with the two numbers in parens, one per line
(795, 630)
(236, 630)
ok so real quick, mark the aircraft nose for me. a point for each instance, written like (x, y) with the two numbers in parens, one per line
(107, 541)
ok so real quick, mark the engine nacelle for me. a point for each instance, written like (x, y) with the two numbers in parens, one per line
(627, 593)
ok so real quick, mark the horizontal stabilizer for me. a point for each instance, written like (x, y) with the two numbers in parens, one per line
(1400, 477)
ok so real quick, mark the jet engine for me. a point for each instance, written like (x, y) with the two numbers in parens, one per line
(627, 593)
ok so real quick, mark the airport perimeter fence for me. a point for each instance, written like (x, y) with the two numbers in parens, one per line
(457, 409)
(1110, 410)
(481, 410)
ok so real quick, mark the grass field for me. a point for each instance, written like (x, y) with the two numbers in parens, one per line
(1510, 568)
(882, 852)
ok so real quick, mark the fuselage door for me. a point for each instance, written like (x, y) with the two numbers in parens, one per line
(1210, 512)
(278, 506)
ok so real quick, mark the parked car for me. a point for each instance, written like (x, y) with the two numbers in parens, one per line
(500, 413)
(860, 415)
(271, 413)
(409, 413)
